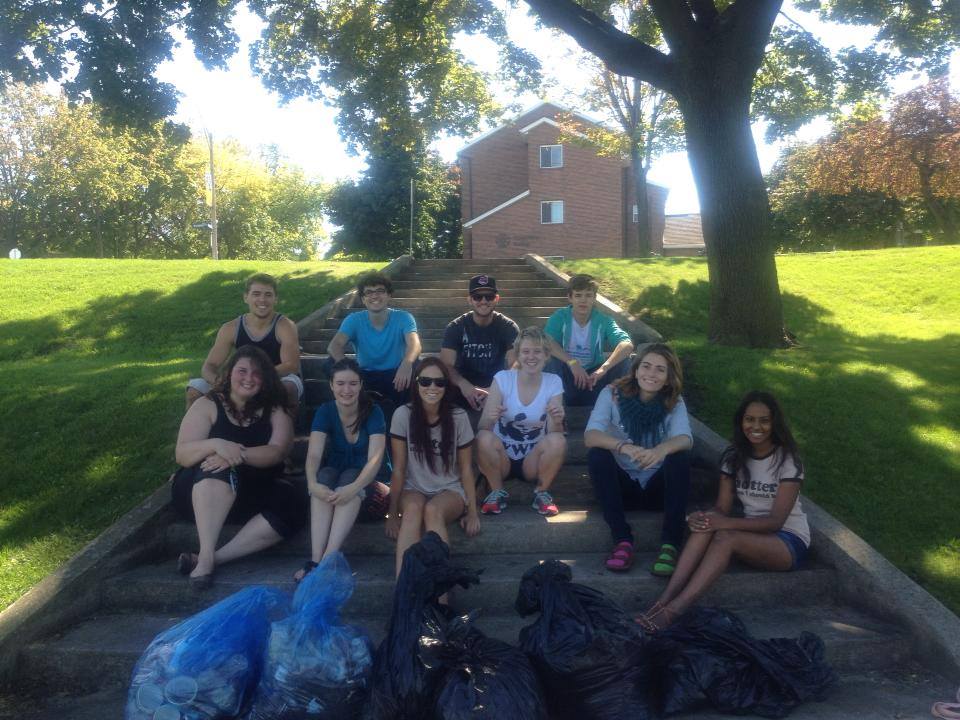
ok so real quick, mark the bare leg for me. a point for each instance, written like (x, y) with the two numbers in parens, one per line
(344, 516)
(762, 550)
(492, 459)
(321, 518)
(687, 563)
(191, 397)
(440, 511)
(411, 522)
(212, 500)
(293, 398)
(252, 537)
(545, 460)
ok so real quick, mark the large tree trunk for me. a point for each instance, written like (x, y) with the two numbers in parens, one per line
(745, 307)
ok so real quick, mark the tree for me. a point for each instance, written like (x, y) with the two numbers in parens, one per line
(373, 213)
(648, 118)
(108, 51)
(913, 155)
(717, 65)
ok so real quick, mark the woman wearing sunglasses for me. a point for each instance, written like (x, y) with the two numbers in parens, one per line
(431, 445)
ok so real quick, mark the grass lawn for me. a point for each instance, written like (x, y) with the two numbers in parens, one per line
(872, 393)
(94, 356)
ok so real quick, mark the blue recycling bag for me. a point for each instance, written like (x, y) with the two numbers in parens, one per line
(206, 667)
(315, 667)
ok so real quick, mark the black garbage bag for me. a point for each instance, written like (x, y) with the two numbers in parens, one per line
(206, 667)
(482, 678)
(709, 656)
(587, 651)
(403, 687)
(315, 667)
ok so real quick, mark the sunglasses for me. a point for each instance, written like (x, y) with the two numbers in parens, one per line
(480, 297)
(425, 382)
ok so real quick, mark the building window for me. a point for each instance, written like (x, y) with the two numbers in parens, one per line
(551, 156)
(636, 214)
(551, 212)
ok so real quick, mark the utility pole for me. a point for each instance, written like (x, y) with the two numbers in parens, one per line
(411, 217)
(214, 244)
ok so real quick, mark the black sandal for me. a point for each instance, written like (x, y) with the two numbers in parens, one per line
(186, 562)
(307, 567)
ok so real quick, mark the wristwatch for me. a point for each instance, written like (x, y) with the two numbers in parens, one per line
(572, 361)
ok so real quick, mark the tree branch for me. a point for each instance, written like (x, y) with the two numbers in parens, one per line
(676, 23)
(747, 26)
(705, 11)
(621, 52)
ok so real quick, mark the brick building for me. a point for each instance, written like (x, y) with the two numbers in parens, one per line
(524, 191)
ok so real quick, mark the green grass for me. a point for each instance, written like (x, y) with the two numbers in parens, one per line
(872, 393)
(94, 355)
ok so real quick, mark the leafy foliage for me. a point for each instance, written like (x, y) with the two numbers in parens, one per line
(912, 155)
(373, 213)
(73, 184)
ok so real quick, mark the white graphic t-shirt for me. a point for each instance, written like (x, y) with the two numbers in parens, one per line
(579, 345)
(521, 427)
(758, 492)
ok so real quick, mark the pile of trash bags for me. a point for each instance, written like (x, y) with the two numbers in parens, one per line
(231, 661)
(433, 664)
(257, 655)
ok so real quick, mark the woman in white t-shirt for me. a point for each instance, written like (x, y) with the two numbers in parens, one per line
(521, 430)
(431, 444)
(764, 470)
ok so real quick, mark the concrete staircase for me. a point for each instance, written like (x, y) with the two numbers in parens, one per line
(81, 672)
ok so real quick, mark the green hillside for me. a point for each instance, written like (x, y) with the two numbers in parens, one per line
(94, 355)
(872, 391)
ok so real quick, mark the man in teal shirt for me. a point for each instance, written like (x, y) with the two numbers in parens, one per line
(579, 335)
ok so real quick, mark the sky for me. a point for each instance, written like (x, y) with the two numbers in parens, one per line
(234, 103)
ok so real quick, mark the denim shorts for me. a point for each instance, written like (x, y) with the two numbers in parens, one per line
(798, 550)
(335, 478)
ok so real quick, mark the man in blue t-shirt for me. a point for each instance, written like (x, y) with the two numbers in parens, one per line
(385, 339)
(478, 344)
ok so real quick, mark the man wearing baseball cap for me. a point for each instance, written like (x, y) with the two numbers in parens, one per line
(478, 344)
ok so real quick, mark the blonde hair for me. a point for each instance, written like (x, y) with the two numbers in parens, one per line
(534, 334)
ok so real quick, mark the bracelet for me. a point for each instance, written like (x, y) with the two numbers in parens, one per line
(620, 446)
(571, 362)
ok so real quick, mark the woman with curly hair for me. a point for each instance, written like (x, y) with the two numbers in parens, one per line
(431, 444)
(639, 438)
(231, 447)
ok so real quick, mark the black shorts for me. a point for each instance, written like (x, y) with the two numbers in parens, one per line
(260, 491)
(516, 470)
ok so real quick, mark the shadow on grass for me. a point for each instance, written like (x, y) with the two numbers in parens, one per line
(876, 418)
(154, 324)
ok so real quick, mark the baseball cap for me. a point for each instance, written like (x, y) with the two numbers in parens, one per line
(482, 282)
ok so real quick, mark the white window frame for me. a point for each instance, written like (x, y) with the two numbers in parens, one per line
(636, 213)
(552, 203)
(551, 166)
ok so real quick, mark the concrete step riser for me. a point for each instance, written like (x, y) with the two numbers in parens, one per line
(516, 286)
(169, 593)
(447, 304)
(461, 262)
(459, 293)
(438, 319)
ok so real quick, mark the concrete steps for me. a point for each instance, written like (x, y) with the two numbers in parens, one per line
(82, 671)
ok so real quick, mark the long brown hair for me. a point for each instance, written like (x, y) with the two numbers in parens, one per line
(419, 430)
(364, 401)
(271, 394)
(735, 457)
(671, 391)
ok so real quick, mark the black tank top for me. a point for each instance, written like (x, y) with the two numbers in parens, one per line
(253, 435)
(268, 343)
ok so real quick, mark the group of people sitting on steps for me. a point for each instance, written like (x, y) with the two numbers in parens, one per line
(493, 399)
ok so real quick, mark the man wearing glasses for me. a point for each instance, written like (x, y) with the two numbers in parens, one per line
(478, 344)
(385, 339)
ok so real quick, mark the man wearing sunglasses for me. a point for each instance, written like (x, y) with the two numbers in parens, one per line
(478, 344)
(385, 339)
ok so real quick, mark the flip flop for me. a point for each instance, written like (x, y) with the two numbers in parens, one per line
(947, 711)
(621, 557)
(307, 567)
(666, 561)
(186, 562)
(648, 622)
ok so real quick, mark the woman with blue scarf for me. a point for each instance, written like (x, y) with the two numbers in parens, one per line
(639, 438)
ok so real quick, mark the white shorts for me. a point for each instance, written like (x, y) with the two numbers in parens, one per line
(203, 387)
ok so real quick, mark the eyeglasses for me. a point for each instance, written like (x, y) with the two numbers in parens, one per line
(483, 297)
(374, 291)
(425, 382)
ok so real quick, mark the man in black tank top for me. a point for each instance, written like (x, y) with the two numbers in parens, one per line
(262, 326)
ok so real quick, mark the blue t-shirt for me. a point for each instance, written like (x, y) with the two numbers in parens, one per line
(379, 349)
(341, 454)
